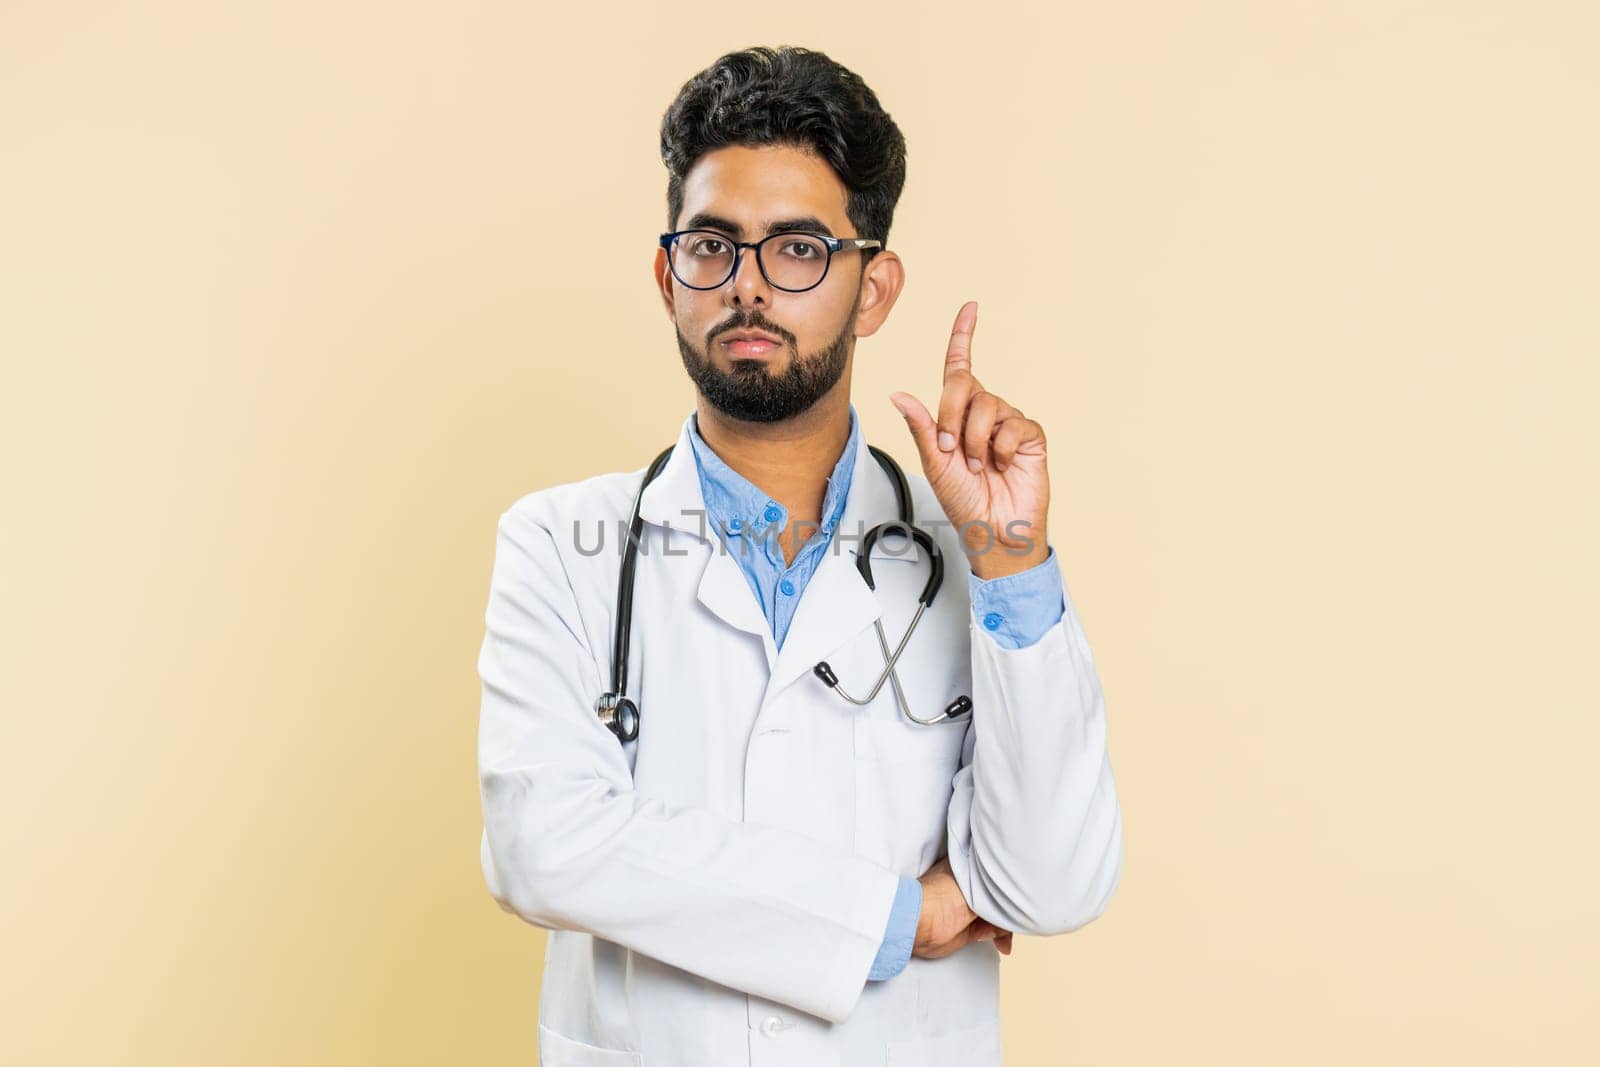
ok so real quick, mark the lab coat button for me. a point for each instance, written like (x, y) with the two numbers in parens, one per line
(772, 1026)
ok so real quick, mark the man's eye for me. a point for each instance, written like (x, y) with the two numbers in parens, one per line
(801, 250)
(707, 246)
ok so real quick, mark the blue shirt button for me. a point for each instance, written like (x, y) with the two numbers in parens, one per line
(773, 513)
(787, 586)
(992, 621)
(735, 525)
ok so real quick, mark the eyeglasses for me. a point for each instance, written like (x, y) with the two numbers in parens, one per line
(793, 262)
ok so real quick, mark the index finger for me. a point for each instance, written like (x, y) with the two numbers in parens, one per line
(958, 357)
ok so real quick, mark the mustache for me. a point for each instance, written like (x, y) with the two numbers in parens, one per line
(750, 322)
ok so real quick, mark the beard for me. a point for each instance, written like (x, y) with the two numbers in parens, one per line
(749, 391)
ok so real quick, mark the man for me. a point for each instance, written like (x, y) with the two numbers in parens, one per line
(769, 873)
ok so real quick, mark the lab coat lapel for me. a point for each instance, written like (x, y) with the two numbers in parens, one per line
(674, 500)
(836, 604)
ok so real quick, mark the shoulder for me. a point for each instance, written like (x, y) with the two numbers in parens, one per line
(564, 540)
(564, 528)
(601, 498)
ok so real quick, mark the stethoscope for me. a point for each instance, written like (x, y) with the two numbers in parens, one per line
(621, 715)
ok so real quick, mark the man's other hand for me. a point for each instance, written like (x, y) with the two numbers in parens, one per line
(947, 923)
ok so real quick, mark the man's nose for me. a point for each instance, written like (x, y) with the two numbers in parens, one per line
(748, 285)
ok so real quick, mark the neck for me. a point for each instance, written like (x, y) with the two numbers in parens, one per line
(791, 460)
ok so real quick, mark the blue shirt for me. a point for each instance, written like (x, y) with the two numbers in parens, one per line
(1015, 610)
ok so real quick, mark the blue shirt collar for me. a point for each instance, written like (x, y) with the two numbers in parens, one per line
(733, 502)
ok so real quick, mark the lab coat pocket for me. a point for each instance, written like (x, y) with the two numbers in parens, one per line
(904, 777)
(978, 1046)
(558, 1050)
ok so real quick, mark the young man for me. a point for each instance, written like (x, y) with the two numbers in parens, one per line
(779, 868)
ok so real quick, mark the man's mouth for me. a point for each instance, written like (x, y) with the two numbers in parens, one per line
(746, 347)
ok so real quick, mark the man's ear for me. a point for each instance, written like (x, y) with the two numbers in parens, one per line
(881, 282)
(663, 273)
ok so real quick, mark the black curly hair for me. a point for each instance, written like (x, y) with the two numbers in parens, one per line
(790, 96)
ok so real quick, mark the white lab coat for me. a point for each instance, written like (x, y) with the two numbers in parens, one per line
(717, 890)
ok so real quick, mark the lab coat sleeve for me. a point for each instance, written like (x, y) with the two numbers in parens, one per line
(570, 844)
(1034, 831)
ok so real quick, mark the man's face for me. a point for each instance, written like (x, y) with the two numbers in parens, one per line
(747, 193)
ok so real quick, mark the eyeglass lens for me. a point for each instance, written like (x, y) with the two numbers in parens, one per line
(704, 259)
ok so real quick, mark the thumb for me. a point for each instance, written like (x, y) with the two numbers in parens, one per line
(924, 430)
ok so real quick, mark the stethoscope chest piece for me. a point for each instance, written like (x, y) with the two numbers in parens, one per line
(619, 715)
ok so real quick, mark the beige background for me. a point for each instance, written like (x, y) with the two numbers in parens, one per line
(295, 299)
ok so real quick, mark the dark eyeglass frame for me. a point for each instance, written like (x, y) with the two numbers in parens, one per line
(834, 245)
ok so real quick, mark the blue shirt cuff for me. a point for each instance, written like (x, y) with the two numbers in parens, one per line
(900, 936)
(1018, 609)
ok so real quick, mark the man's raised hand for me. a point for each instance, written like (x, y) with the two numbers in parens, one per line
(985, 461)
